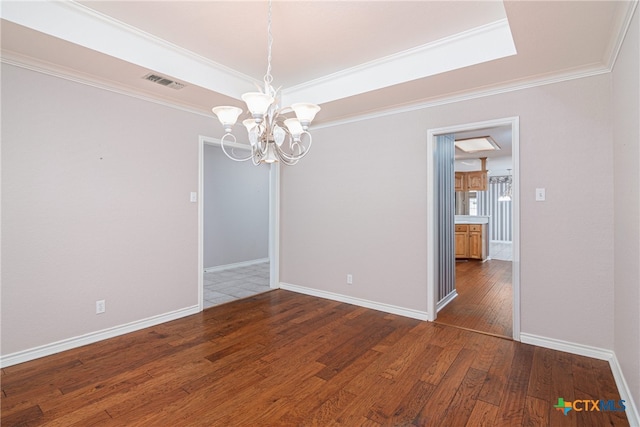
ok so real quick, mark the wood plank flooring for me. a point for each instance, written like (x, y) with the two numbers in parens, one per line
(485, 298)
(286, 359)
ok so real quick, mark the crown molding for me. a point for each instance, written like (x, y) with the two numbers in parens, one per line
(28, 63)
(468, 95)
(614, 49)
(481, 44)
(78, 24)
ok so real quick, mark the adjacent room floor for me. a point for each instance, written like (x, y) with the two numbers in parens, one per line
(235, 283)
(485, 298)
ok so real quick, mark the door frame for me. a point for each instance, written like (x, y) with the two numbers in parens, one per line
(274, 217)
(432, 252)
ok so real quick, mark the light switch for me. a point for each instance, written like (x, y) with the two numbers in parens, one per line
(540, 195)
(194, 197)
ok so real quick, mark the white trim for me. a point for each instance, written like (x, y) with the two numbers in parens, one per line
(86, 27)
(93, 337)
(566, 346)
(432, 299)
(235, 265)
(473, 94)
(597, 353)
(274, 226)
(515, 232)
(633, 415)
(65, 73)
(514, 122)
(475, 46)
(446, 300)
(200, 276)
(72, 76)
(387, 308)
(616, 43)
(56, 71)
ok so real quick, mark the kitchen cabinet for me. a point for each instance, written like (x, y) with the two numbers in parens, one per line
(476, 181)
(471, 181)
(471, 241)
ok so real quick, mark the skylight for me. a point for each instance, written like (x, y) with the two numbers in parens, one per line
(473, 145)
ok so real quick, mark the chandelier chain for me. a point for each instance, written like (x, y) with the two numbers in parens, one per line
(268, 78)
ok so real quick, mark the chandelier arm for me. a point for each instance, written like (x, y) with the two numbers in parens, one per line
(304, 151)
(287, 158)
(237, 159)
(263, 145)
(284, 158)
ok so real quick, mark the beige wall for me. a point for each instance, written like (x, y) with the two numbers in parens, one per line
(95, 205)
(357, 205)
(626, 132)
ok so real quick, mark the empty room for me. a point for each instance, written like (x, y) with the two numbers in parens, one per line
(298, 213)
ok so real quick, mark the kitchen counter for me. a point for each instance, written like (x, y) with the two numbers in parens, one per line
(471, 219)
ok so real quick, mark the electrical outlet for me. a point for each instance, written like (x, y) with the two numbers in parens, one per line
(349, 279)
(100, 306)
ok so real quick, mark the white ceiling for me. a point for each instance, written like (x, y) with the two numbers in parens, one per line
(353, 57)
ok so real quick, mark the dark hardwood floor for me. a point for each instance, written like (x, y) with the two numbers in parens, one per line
(285, 359)
(485, 298)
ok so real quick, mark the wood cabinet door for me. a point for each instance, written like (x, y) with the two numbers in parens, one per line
(475, 245)
(476, 181)
(462, 244)
(460, 182)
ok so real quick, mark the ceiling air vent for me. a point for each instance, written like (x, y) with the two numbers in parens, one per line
(164, 81)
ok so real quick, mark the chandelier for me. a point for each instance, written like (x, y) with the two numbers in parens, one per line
(273, 136)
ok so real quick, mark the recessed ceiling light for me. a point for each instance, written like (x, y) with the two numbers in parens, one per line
(473, 145)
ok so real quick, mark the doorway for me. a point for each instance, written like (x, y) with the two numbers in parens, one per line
(496, 270)
(228, 270)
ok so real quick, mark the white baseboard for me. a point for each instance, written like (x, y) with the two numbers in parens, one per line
(569, 347)
(597, 353)
(446, 300)
(90, 338)
(387, 308)
(235, 265)
(625, 394)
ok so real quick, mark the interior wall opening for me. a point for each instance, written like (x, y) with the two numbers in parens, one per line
(236, 221)
(477, 233)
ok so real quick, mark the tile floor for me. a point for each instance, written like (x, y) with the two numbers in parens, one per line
(235, 283)
(501, 250)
